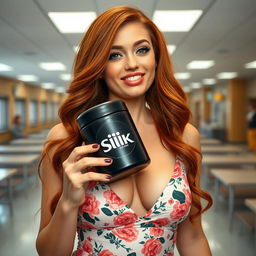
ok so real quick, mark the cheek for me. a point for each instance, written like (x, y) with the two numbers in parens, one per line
(112, 71)
(150, 63)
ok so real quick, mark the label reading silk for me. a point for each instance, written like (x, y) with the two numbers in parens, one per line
(116, 139)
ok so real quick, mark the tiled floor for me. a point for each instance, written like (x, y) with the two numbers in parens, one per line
(17, 235)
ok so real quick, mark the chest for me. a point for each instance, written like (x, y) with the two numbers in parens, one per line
(142, 190)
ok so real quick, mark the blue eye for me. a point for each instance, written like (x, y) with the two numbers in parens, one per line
(114, 56)
(143, 50)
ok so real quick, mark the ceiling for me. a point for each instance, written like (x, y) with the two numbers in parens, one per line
(225, 33)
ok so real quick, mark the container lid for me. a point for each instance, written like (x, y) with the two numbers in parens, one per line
(99, 111)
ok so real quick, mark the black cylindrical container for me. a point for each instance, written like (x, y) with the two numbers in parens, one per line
(110, 125)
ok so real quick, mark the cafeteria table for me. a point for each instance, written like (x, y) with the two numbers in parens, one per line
(251, 204)
(23, 161)
(225, 161)
(14, 149)
(232, 178)
(222, 149)
(209, 141)
(27, 141)
(6, 175)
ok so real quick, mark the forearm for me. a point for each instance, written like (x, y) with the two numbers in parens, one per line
(57, 238)
(198, 247)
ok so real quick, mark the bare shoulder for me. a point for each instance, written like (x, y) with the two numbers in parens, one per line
(57, 132)
(191, 136)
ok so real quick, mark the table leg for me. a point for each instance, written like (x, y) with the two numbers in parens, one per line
(231, 196)
(10, 199)
(216, 193)
(25, 173)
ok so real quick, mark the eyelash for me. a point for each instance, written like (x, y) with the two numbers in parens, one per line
(145, 49)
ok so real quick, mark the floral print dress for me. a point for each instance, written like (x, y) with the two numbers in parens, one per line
(108, 227)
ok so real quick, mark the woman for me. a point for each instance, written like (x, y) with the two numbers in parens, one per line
(123, 56)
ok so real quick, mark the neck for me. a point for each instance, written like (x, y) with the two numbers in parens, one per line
(137, 108)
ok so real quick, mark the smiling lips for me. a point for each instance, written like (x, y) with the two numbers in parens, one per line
(133, 79)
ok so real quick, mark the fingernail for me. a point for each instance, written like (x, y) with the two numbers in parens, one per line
(108, 160)
(95, 145)
(109, 177)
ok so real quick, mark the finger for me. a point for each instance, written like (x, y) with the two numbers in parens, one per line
(80, 151)
(94, 176)
(88, 162)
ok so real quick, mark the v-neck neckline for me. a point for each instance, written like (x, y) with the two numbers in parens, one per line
(157, 200)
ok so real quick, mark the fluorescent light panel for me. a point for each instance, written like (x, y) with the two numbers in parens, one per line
(171, 48)
(200, 64)
(227, 75)
(60, 90)
(65, 77)
(182, 75)
(176, 21)
(4, 67)
(72, 22)
(187, 89)
(48, 85)
(52, 66)
(209, 81)
(28, 78)
(196, 85)
(251, 64)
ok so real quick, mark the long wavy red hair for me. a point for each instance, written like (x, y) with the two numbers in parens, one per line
(165, 97)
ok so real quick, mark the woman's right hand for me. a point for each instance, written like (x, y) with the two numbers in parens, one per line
(77, 172)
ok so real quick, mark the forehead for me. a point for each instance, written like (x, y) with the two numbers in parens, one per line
(130, 33)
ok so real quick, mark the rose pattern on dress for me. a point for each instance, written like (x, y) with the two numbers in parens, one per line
(113, 200)
(108, 227)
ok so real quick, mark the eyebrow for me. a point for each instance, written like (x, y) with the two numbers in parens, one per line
(135, 44)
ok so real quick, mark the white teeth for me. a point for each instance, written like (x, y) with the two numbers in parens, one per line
(131, 78)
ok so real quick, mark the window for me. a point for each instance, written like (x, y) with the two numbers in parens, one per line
(52, 111)
(43, 112)
(3, 114)
(33, 112)
(20, 110)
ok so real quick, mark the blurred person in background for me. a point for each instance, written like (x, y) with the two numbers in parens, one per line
(251, 126)
(18, 128)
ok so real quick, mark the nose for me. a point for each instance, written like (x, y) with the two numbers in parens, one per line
(131, 63)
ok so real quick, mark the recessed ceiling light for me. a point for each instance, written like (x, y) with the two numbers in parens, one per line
(72, 22)
(187, 89)
(60, 89)
(182, 76)
(171, 48)
(178, 21)
(48, 85)
(227, 75)
(52, 66)
(209, 81)
(251, 64)
(65, 77)
(4, 67)
(200, 64)
(28, 78)
(196, 85)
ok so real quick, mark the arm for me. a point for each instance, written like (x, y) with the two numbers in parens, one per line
(57, 232)
(191, 239)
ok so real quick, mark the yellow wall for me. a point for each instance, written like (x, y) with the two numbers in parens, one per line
(13, 89)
